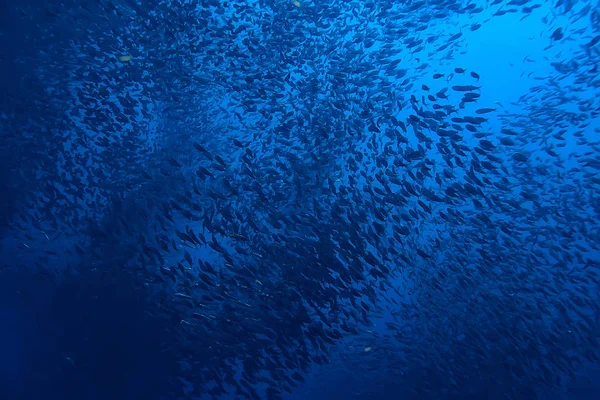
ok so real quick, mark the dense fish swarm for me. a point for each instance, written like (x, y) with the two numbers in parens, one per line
(287, 187)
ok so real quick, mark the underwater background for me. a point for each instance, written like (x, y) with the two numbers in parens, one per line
(282, 199)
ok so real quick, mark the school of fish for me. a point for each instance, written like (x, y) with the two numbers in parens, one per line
(317, 184)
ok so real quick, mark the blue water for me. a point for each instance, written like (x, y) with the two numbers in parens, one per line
(300, 200)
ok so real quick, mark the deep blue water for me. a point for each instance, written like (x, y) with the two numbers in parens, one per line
(300, 200)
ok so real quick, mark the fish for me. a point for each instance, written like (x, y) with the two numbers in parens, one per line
(258, 190)
(465, 88)
(484, 110)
